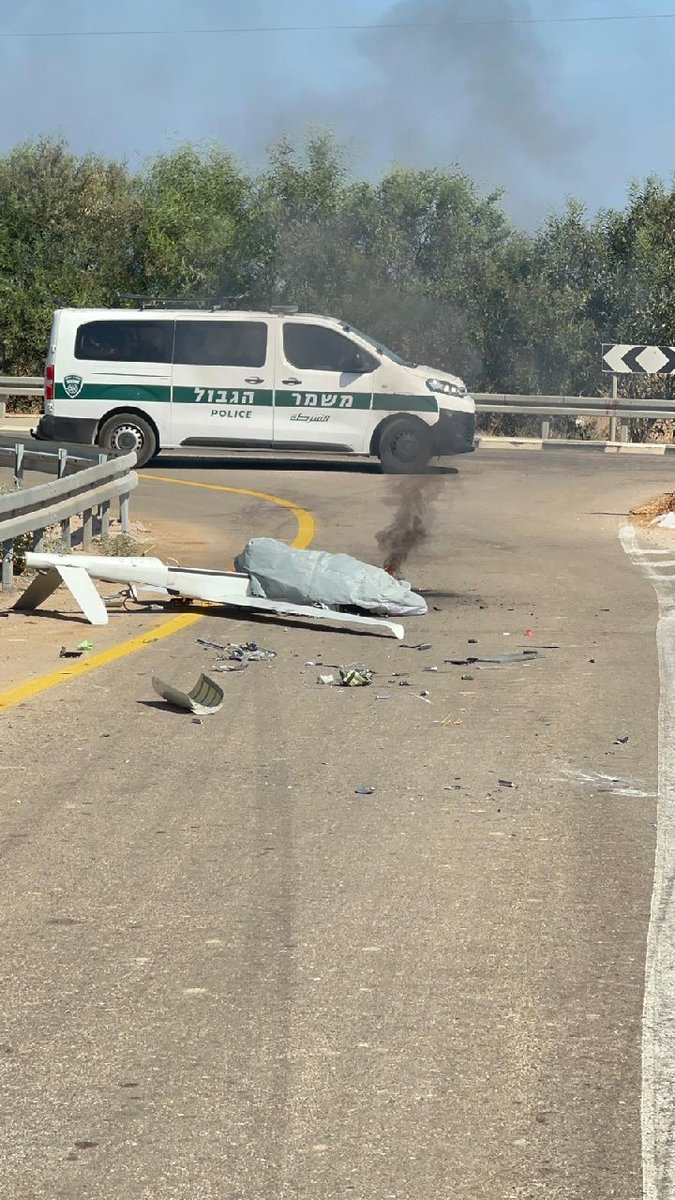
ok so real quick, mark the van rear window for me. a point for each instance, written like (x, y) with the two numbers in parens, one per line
(221, 343)
(125, 341)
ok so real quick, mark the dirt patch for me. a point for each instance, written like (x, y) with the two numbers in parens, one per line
(644, 514)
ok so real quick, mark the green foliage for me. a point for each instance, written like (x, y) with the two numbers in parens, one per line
(419, 258)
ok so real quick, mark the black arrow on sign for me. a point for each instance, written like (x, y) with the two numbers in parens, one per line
(631, 359)
(669, 367)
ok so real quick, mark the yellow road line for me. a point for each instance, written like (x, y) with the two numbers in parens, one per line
(25, 691)
(304, 519)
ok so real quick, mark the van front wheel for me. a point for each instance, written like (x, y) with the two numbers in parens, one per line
(405, 447)
(127, 432)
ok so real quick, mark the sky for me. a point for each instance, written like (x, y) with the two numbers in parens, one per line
(543, 109)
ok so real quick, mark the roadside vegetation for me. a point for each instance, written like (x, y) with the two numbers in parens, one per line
(418, 258)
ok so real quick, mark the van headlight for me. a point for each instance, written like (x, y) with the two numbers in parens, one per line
(448, 389)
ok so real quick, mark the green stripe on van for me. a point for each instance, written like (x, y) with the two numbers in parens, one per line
(118, 393)
(334, 401)
(389, 402)
(224, 397)
(140, 393)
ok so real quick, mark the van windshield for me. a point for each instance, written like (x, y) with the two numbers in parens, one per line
(402, 362)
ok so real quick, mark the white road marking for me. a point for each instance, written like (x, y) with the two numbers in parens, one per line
(658, 1025)
(613, 784)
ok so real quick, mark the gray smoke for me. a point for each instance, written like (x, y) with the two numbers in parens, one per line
(481, 94)
(413, 498)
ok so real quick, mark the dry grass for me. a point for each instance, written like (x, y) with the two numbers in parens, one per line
(644, 514)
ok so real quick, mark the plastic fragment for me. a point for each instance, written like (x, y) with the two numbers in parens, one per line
(326, 679)
(204, 698)
(506, 783)
(356, 675)
(622, 741)
(363, 790)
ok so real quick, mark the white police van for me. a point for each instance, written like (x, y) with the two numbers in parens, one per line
(156, 379)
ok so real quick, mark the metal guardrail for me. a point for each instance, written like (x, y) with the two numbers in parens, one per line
(20, 385)
(575, 406)
(32, 510)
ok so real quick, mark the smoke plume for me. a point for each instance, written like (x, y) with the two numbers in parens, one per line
(414, 497)
(469, 82)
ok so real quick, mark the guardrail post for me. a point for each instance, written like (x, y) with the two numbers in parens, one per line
(612, 420)
(87, 528)
(124, 513)
(18, 463)
(545, 429)
(61, 465)
(39, 540)
(7, 565)
(104, 509)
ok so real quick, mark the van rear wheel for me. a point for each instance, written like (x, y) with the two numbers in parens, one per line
(405, 447)
(127, 432)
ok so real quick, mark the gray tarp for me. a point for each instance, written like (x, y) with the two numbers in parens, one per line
(279, 572)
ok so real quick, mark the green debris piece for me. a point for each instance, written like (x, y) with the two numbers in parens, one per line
(356, 675)
(84, 647)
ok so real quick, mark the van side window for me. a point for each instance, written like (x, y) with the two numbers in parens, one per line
(125, 341)
(221, 343)
(316, 348)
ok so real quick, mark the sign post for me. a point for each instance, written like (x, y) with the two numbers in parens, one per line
(623, 359)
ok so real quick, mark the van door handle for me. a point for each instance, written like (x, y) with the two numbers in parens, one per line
(291, 381)
(255, 379)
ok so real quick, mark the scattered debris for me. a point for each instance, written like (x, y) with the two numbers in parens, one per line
(468, 678)
(362, 790)
(449, 720)
(248, 652)
(326, 679)
(622, 741)
(529, 633)
(666, 521)
(205, 697)
(383, 696)
(280, 572)
(404, 683)
(419, 646)
(506, 783)
(473, 641)
(82, 648)
(431, 669)
(356, 675)
(495, 660)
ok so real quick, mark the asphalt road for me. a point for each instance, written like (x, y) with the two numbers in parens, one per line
(226, 974)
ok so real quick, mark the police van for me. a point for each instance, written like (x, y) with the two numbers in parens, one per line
(157, 379)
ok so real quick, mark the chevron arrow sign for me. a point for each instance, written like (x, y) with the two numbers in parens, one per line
(638, 360)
